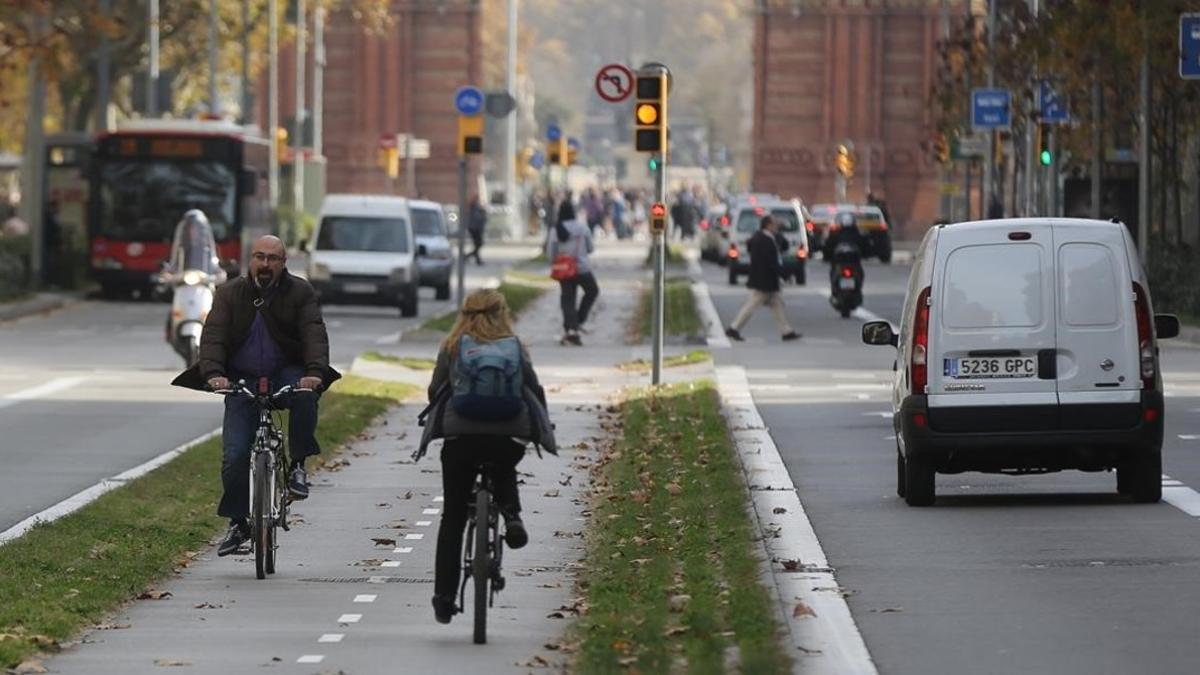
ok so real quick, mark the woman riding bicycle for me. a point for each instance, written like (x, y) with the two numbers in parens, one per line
(485, 401)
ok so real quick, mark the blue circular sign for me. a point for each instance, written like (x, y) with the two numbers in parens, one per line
(553, 132)
(469, 100)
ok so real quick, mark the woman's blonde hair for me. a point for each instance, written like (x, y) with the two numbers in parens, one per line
(484, 316)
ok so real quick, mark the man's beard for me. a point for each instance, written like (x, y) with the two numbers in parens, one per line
(264, 280)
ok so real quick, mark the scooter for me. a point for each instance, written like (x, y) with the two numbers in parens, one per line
(193, 298)
(846, 279)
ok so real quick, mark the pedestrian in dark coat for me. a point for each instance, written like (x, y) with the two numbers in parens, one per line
(766, 267)
(476, 223)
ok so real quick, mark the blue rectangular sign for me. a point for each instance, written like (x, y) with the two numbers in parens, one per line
(1189, 46)
(990, 109)
(1051, 104)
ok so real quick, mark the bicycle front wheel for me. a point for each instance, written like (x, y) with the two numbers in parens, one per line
(273, 516)
(480, 564)
(261, 513)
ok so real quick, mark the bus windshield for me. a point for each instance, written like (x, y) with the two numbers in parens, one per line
(143, 200)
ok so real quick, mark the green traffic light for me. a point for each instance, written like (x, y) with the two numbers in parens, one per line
(654, 165)
(1045, 158)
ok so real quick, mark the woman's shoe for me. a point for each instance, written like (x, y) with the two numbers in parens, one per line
(444, 608)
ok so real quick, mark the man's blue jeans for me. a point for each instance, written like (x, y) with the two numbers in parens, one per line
(241, 421)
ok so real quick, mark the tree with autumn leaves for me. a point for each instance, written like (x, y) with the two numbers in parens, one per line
(1084, 44)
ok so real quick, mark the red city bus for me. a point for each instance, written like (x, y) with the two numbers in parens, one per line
(145, 175)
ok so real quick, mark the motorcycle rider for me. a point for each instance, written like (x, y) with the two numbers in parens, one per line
(844, 231)
(194, 248)
(194, 251)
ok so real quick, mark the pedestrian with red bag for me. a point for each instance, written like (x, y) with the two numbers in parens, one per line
(570, 266)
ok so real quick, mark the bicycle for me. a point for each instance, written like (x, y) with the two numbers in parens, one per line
(268, 473)
(483, 550)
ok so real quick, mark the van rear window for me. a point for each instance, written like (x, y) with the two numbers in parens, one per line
(993, 286)
(1089, 285)
(360, 233)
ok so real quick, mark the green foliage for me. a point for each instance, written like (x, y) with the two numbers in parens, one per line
(518, 296)
(671, 568)
(406, 361)
(680, 318)
(1174, 272)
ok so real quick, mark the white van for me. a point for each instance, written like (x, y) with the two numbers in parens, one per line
(363, 252)
(1027, 346)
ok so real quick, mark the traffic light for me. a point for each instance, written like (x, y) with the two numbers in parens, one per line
(652, 164)
(282, 151)
(941, 149)
(1045, 156)
(557, 152)
(844, 161)
(650, 113)
(470, 134)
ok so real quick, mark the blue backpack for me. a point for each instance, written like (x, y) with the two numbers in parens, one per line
(487, 380)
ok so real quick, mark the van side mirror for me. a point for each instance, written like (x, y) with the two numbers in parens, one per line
(422, 251)
(249, 183)
(879, 333)
(1166, 326)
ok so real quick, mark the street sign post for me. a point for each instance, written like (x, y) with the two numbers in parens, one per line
(468, 100)
(1189, 46)
(499, 104)
(653, 86)
(991, 109)
(1052, 105)
(614, 83)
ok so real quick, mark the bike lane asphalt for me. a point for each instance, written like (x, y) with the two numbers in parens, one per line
(355, 574)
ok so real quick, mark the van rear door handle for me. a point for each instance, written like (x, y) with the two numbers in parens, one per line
(1047, 364)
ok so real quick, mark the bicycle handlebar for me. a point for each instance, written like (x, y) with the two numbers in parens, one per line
(242, 390)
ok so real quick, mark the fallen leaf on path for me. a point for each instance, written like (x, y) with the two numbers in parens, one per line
(209, 605)
(552, 646)
(384, 505)
(555, 615)
(675, 630)
(155, 595)
(674, 488)
(535, 662)
(113, 626)
(167, 663)
(383, 541)
(790, 565)
(888, 610)
(407, 495)
(778, 510)
(802, 610)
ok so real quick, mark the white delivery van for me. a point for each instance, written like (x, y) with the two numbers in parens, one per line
(363, 252)
(1027, 346)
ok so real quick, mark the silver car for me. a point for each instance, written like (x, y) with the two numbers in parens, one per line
(435, 257)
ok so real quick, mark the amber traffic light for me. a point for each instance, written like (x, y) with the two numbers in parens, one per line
(650, 113)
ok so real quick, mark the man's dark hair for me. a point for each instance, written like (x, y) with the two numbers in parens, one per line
(766, 220)
(566, 211)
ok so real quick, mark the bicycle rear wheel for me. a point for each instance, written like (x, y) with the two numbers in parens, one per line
(481, 563)
(261, 513)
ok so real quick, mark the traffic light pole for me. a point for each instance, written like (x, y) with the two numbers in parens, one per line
(463, 220)
(660, 263)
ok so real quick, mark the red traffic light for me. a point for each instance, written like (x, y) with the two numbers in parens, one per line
(658, 210)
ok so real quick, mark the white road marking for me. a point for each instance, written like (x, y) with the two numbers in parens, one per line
(52, 387)
(414, 536)
(886, 414)
(424, 523)
(1188, 437)
(1183, 498)
(332, 637)
(710, 317)
(439, 499)
(390, 563)
(311, 658)
(430, 512)
(390, 338)
(376, 580)
(365, 598)
(830, 640)
(403, 549)
(82, 499)
(350, 618)
(1172, 483)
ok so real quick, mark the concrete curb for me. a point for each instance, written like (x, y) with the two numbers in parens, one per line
(40, 304)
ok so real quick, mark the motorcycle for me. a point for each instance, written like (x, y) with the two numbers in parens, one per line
(846, 279)
(193, 274)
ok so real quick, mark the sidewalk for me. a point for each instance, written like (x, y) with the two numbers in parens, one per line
(38, 304)
(355, 574)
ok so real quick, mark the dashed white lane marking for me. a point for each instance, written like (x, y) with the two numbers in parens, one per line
(376, 580)
(350, 618)
(331, 637)
(424, 523)
(389, 339)
(414, 536)
(365, 598)
(708, 311)
(311, 658)
(390, 563)
(439, 499)
(1188, 437)
(1171, 483)
(403, 549)
(52, 387)
(430, 512)
(1181, 496)
(886, 414)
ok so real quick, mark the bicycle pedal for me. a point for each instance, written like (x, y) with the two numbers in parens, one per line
(244, 550)
(498, 584)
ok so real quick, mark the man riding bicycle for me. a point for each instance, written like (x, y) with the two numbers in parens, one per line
(265, 324)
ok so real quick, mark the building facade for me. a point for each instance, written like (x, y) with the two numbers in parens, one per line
(831, 71)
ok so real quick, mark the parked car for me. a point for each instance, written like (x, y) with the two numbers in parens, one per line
(820, 217)
(746, 217)
(871, 223)
(435, 255)
(1027, 346)
(364, 252)
(714, 234)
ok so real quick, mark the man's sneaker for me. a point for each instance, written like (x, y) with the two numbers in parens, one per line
(572, 339)
(238, 534)
(444, 608)
(733, 334)
(298, 483)
(791, 335)
(514, 532)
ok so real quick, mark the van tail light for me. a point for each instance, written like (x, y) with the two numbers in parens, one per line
(733, 252)
(810, 226)
(848, 272)
(918, 373)
(801, 253)
(1145, 332)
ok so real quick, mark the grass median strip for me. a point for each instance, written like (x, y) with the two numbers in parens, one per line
(672, 575)
(680, 317)
(642, 365)
(518, 296)
(407, 361)
(66, 575)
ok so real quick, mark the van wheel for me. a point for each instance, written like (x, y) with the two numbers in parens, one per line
(845, 312)
(408, 308)
(900, 472)
(1144, 478)
(918, 482)
(442, 292)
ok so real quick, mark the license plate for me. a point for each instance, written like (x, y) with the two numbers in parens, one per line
(991, 367)
(360, 288)
(846, 284)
